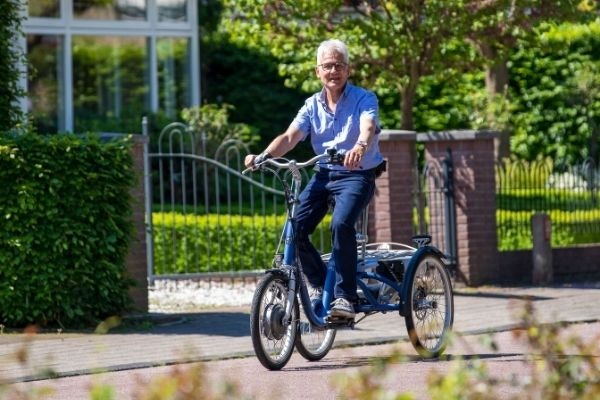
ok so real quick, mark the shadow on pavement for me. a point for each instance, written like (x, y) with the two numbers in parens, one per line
(234, 324)
(507, 296)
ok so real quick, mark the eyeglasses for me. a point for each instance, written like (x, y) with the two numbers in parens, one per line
(332, 66)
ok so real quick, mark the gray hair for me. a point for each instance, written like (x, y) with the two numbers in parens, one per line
(332, 45)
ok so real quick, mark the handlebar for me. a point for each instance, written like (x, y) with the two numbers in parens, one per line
(332, 156)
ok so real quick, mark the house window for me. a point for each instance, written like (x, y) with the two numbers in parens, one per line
(46, 81)
(107, 10)
(173, 74)
(44, 8)
(172, 10)
(110, 83)
(101, 65)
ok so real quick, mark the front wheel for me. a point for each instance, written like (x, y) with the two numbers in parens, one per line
(272, 338)
(431, 307)
(313, 344)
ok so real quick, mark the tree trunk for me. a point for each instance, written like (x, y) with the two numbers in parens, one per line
(496, 78)
(407, 100)
(594, 138)
(496, 72)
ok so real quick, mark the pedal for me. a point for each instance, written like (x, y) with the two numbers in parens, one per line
(339, 322)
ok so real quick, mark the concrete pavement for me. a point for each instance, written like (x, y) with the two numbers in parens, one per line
(224, 332)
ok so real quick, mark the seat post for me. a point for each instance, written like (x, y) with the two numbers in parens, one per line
(361, 231)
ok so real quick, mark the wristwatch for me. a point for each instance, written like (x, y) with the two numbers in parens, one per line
(363, 144)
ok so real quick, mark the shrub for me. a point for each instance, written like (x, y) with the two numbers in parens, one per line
(218, 243)
(66, 225)
(568, 228)
(11, 18)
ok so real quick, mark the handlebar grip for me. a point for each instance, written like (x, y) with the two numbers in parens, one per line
(335, 157)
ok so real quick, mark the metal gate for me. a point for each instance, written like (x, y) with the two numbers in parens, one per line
(204, 218)
(435, 206)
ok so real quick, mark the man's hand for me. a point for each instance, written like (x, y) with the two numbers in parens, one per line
(252, 160)
(249, 160)
(353, 158)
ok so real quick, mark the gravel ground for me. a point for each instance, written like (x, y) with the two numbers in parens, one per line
(189, 295)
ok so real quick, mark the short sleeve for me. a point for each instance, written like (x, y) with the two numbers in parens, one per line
(302, 121)
(370, 109)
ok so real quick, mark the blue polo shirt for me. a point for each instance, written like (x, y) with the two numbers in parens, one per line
(340, 130)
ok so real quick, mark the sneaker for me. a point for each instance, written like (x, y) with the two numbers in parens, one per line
(315, 293)
(342, 308)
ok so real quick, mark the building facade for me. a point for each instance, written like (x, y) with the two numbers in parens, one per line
(99, 65)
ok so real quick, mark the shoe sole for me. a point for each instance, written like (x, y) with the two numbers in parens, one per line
(342, 313)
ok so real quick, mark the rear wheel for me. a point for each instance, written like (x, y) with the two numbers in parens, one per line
(272, 338)
(313, 344)
(431, 307)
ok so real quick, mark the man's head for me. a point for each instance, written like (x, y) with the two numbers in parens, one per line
(332, 64)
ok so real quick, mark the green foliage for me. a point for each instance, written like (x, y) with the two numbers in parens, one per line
(572, 201)
(450, 100)
(568, 228)
(556, 94)
(212, 120)
(248, 79)
(66, 225)
(391, 46)
(11, 18)
(217, 243)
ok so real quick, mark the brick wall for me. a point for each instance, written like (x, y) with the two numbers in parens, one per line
(474, 191)
(391, 209)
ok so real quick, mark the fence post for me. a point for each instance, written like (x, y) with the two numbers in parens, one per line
(541, 230)
(148, 202)
(450, 208)
(136, 261)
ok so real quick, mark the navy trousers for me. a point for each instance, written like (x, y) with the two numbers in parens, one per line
(351, 191)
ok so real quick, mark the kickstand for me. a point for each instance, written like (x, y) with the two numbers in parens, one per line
(364, 316)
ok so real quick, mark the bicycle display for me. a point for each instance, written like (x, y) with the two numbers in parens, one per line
(413, 281)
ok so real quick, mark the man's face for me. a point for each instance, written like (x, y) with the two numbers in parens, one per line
(333, 71)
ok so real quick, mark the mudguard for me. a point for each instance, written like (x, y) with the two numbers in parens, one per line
(410, 274)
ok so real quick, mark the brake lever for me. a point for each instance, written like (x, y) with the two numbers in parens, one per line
(335, 158)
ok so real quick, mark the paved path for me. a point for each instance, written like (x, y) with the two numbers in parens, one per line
(224, 333)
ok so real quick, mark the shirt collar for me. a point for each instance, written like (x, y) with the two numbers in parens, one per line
(322, 95)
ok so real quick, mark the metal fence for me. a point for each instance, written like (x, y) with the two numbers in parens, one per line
(569, 194)
(206, 218)
(434, 206)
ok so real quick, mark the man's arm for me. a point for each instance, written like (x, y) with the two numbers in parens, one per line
(280, 145)
(368, 127)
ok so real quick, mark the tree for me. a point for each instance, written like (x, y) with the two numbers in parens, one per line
(12, 58)
(497, 25)
(393, 44)
(555, 92)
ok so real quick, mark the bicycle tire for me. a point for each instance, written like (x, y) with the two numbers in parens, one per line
(430, 307)
(313, 344)
(272, 341)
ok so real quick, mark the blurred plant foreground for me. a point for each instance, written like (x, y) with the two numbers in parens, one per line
(558, 364)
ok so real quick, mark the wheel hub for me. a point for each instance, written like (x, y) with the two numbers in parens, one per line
(273, 327)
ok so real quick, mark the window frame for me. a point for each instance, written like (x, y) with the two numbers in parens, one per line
(68, 26)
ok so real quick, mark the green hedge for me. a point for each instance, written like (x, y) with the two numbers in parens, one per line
(66, 226)
(568, 228)
(187, 243)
